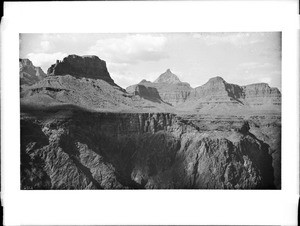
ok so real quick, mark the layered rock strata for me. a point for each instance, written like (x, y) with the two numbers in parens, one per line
(169, 87)
(76, 149)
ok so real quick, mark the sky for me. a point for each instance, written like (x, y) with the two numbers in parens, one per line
(241, 58)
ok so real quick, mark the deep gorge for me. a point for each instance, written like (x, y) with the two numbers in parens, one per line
(72, 148)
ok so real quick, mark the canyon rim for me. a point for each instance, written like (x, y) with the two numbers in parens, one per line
(150, 111)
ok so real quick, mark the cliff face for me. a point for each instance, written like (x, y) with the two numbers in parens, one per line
(75, 149)
(149, 93)
(82, 67)
(29, 74)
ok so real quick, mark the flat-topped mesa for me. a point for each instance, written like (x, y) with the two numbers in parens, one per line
(168, 77)
(29, 74)
(82, 67)
(261, 89)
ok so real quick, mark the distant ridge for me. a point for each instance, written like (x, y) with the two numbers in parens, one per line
(85, 81)
(215, 94)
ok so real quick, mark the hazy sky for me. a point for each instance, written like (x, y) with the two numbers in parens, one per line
(240, 58)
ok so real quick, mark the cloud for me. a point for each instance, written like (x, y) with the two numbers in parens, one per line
(236, 39)
(45, 60)
(45, 45)
(265, 80)
(130, 49)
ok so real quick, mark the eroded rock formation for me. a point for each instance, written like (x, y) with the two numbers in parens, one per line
(76, 149)
(29, 74)
(169, 87)
(168, 77)
(82, 67)
(79, 130)
(217, 94)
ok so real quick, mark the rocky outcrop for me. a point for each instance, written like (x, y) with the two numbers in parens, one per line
(170, 89)
(29, 74)
(86, 150)
(82, 67)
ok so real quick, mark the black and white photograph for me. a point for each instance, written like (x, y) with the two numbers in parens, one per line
(150, 110)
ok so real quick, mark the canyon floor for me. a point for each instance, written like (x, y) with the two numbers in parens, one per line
(79, 130)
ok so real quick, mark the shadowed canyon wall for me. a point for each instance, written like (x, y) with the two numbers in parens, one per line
(76, 149)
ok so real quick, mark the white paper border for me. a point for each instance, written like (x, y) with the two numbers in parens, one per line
(179, 207)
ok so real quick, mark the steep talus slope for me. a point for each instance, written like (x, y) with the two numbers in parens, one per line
(78, 149)
(91, 93)
(169, 87)
(29, 74)
(85, 81)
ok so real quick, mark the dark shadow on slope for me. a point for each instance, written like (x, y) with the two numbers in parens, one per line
(68, 146)
(33, 175)
(235, 92)
(263, 161)
(103, 146)
(149, 93)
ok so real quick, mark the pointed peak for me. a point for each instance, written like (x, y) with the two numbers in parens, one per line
(168, 77)
(216, 79)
